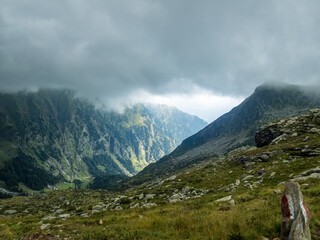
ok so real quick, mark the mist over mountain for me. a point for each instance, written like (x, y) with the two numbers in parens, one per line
(236, 128)
(51, 136)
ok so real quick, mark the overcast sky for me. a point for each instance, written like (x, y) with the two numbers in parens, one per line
(204, 56)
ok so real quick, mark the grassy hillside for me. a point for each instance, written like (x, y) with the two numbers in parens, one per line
(184, 205)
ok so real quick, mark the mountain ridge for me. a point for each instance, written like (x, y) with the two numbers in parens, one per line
(236, 128)
(68, 138)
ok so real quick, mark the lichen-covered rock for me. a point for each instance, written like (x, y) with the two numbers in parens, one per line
(295, 214)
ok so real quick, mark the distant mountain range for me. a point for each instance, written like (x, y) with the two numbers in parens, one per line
(235, 128)
(51, 136)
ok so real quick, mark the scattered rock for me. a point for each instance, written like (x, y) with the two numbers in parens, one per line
(247, 177)
(313, 175)
(272, 174)
(64, 216)
(276, 191)
(84, 215)
(118, 208)
(44, 226)
(10, 212)
(100, 222)
(136, 205)
(59, 211)
(149, 205)
(50, 217)
(173, 177)
(264, 157)
(149, 197)
(224, 199)
(314, 130)
(97, 208)
(237, 182)
(175, 198)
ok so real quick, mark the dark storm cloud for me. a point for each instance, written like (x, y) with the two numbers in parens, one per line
(112, 48)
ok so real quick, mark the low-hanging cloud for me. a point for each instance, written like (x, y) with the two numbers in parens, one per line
(109, 49)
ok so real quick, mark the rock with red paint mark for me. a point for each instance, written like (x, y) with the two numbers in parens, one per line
(295, 214)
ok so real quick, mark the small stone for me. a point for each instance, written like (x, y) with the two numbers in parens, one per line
(97, 207)
(294, 134)
(149, 197)
(247, 177)
(277, 191)
(64, 216)
(118, 208)
(232, 202)
(175, 198)
(59, 211)
(100, 222)
(314, 130)
(237, 182)
(272, 174)
(224, 199)
(173, 177)
(264, 157)
(135, 205)
(10, 212)
(149, 205)
(44, 226)
(84, 215)
(49, 217)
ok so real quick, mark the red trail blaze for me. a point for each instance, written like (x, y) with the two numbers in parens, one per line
(286, 207)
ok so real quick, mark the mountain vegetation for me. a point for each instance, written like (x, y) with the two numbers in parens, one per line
(235, 196)
(51, 136)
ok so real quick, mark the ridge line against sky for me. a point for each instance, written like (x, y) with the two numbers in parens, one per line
(205, 55)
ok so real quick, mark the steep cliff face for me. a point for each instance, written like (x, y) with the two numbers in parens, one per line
(52, 136)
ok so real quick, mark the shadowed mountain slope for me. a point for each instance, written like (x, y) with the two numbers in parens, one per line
(235, 128)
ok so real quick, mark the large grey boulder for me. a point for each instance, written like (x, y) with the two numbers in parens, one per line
(295, 214)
